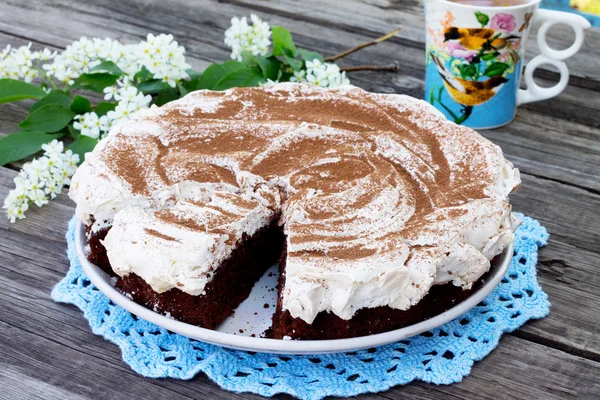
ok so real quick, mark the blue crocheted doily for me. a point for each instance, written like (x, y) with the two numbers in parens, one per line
(442, 356)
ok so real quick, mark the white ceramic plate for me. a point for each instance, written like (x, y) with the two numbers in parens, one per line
(253, 316)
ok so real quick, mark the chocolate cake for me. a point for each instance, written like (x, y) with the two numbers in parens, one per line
(383, 212)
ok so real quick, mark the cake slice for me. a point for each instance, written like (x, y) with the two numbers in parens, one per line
(195, 261)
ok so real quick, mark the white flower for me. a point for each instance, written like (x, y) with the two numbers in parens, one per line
(126, 93)
(163, 57)
(314, 64)
(52, 148)
(40, 180)
(15, 210)
(46, 55)
(130, 100)
(88, 124)
(54, 163)
(52, 187)
(21, 62)
(255, 38)
(110, 92)
(299, 76)
(36, 169)
(326, 75)
(70, 160)
(38, 197)
(268, 83)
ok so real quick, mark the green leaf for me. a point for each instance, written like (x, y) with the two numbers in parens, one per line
(495, 69)
(188, 86)
(269, 67)
(284, 76)
(96, 81)
(104, 107)
(467, 71)
(283, 44)
(309, 55)
(83, 145)
(152, 86)
(215, 72)
(295, 64)
(23, 144)
(107, 66)
(166, 95)
(248, 58)
(54, 97)
(13, 90)
(490, 56)
(81, 105)
(241, 78)
(482, 18)
(49, 118)
(182, 89)
(73, 132)
(193, 74)
(142, 75)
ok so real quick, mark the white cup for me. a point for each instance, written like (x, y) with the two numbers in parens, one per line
(475, 59)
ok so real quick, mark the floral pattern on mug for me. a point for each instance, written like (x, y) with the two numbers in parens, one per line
(474, 63)
(503, 22)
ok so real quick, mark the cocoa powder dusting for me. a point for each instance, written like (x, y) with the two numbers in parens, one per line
(156, 233)
(335, 173)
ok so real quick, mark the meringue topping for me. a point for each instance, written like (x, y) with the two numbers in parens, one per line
(379, 195)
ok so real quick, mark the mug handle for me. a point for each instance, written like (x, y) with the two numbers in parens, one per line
(550, 56)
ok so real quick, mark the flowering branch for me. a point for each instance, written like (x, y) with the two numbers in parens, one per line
(66, 125)
(41, 180)
(364, 45)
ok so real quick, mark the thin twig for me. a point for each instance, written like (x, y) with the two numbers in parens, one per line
(362, 46)
(393, 68)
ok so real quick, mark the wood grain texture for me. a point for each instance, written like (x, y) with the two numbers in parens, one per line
(48, 351)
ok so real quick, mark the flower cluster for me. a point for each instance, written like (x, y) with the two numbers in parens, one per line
(89, 124)
(160, 55)
(130, 100)
(163, 57)
(22, 63)
(255, 38)
(82, 55)
(132, 77)
(327, 75)
(41, 179)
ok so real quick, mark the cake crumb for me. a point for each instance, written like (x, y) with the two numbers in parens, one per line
(266, 305)
(286, 337)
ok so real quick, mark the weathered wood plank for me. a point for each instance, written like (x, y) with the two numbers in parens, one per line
(18, 385)
(512, 376)
(569, 213)
(570, 277)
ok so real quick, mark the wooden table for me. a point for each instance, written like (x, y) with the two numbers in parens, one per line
(47, 350)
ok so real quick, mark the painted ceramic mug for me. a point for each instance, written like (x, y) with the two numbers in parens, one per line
(475, 59)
